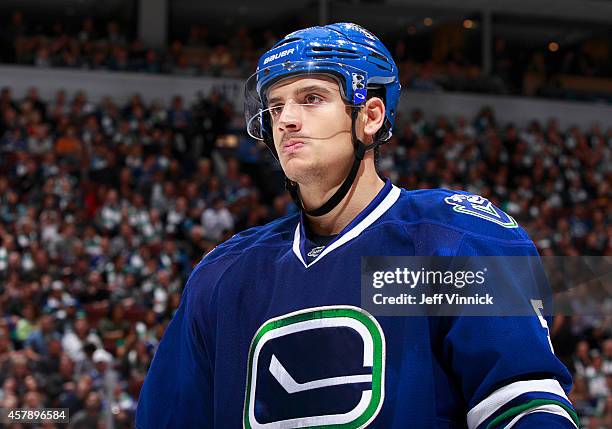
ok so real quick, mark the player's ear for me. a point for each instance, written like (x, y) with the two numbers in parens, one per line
(373, 116)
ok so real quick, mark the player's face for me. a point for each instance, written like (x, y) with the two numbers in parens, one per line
(311, 128)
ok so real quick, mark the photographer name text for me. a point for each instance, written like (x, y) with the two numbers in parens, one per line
(436, 299)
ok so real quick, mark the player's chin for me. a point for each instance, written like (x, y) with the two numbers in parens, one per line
(297, 169)
(297, 159)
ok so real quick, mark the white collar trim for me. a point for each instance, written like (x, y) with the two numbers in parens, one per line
(384, 205)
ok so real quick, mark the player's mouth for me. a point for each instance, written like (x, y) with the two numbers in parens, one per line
(291, 146)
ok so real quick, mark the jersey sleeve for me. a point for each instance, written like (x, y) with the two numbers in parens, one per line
(505, 366)
(177, 391)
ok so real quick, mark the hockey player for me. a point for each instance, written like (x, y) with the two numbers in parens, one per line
(270, 332)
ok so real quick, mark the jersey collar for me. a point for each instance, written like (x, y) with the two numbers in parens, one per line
(387, 196)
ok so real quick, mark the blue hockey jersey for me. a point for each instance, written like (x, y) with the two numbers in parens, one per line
(270, 333)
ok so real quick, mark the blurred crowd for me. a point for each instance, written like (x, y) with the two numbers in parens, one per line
(108, 47)
(105, 209)
(105, 46)
(555, 183)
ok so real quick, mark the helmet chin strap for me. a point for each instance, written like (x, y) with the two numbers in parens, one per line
(334, 200)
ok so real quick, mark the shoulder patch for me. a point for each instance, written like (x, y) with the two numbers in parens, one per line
(475, 205)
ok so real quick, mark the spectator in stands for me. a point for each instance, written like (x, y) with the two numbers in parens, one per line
(68, 146)
(77, 337)
(607, 357)
(216, 219)
(596, 377)
(90, 416)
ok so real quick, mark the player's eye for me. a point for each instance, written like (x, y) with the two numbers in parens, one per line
(275, 111)
(313, 99)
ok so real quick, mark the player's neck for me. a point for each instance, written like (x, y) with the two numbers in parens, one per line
(365, 188)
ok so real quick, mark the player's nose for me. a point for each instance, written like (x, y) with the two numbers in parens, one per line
(290, 117)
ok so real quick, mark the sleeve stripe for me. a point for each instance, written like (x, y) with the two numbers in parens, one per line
(488, 406)
(553, 409)
(510, 413)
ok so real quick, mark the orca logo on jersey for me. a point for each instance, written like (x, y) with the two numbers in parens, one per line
(320, 367)
(475, 205)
